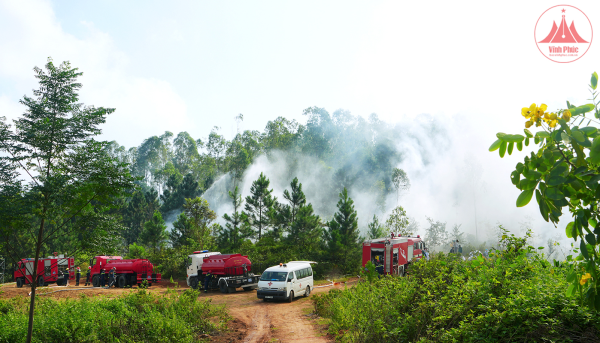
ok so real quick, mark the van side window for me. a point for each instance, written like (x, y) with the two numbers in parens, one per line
(303, 273)
(309, 271)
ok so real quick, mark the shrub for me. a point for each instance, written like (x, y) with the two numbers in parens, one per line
(139, 316)
(510, 297)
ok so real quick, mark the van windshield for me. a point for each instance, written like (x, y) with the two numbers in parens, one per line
(273, 276)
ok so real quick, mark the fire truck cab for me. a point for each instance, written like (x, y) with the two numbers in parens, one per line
(48, 270)
(391, 256)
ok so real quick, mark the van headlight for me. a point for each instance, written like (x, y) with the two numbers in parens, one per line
(281, 288)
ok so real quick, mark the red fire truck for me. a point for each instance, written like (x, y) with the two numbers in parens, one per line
(129, 272)
(392, 255)
(48, 270)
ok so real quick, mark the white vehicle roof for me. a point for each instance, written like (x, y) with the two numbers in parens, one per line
(205, 254)
(290, 266)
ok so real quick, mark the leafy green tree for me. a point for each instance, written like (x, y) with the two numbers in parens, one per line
(136, 251)
(198, 211)
(564, 174)
(184, 232)
(375, 229)
(342, 235)
(154, 234)
(456, 234)
(401, 182)
(398, 222)
(436, 234)
(72, 180)
(259, 205)
(139, 210)
(176, 192)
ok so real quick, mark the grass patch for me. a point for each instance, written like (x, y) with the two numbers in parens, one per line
(134, 317)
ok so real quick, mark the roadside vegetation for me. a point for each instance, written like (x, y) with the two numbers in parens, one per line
(515, 295)
(135, 317)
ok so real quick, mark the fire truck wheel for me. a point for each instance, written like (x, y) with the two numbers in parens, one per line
(307, 292)
(40, 281)
(122, 281)
(194, 282)
(96, 281)
(291, 298)
(222, 286)
(19, 283)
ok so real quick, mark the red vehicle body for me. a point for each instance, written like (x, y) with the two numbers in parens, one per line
(128, 272)
(47, 271)
(226, 265)
(392, 255)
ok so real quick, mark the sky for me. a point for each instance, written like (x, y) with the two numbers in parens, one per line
(193, 65)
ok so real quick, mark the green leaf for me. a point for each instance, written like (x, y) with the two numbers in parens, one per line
(594, 81)
(569, 105)
(527, 141)
(571, 276)
(578, 136)
(589, 130)
(513, 138)
(584, 250)
(524, 198)
(581, 109)
(532, 174)
(556, 180)
(591, 238)
(503, 148)
(496, 145)
(569, 230)
(528, 133)
(554, 194)
(595, 151)
(500, 135)
(542, 134)
(565, 138)
(520, 145)
(571, 290)
(510, 147)
(592, 222)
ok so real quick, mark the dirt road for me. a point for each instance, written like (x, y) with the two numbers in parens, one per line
(255, 321)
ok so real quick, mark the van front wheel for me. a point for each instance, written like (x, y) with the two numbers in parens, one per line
(291, 297)
(307, 291)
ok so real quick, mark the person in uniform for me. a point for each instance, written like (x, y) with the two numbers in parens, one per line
(87, 276)
(102, 278)
(66, 282)
(207, 278)
(77, 276)
(113, 277)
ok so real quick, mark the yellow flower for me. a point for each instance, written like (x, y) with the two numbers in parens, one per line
(566, 115)
(527, 111)
(584, 278)
(528, 124)
(539, 111)
(552, 123)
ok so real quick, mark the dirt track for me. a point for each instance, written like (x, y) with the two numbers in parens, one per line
(255, 321)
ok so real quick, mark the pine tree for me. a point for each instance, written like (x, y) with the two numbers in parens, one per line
(260, 205)
(375, 229)
(342, 235)
(154, 234)
(286, 214)
(236, 229)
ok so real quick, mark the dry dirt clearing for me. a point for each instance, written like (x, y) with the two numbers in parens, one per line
(254, 320)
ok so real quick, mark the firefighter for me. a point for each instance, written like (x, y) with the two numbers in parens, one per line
(207, 278)
(66, 282)
(113, 278)
(61, 275)
(87, 276)
(102, 278)
(77, 276)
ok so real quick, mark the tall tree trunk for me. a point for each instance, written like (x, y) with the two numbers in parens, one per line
(34, 277)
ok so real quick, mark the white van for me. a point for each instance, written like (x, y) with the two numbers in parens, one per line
(286, 281)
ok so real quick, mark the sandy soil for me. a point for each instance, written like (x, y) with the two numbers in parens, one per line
(255, 321)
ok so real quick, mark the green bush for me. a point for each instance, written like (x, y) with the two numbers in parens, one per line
(135, 317)
(515, 296)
